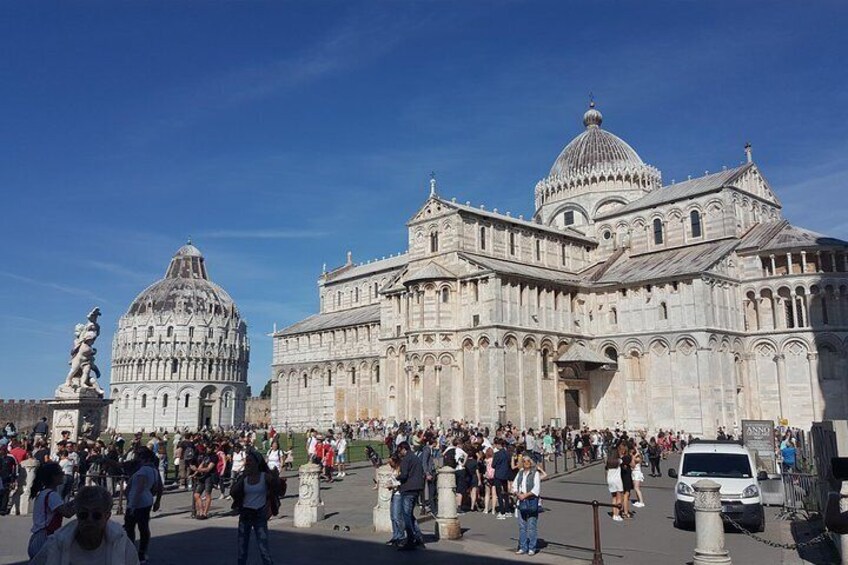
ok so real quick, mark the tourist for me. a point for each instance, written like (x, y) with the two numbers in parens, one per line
(341, 455)
(288, 462)
(501, 462)
(455, 457)
(203, 474)
(256, 497)
(67, 466)
(40, 430)
(92, 538)
(613, 469)
(144, 494)
(427, 454)
(654, 456)
(275, 456)
(489, 495)
(162, 455)
(527, 488)
(396, 507)
(411, 478)
(238, 458)
(638, 477)
(48, 508)
(788, 454)
(328, 460)
(222, 467)
(626, 478)
(8, 477)
(472, 471)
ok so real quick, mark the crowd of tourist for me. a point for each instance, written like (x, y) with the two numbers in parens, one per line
(497, 471)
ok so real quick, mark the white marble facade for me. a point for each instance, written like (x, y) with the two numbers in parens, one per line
(618, 302)
(180, 355)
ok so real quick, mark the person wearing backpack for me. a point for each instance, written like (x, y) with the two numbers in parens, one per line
(144, 493)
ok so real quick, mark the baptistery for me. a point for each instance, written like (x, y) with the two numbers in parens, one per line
(180, 354)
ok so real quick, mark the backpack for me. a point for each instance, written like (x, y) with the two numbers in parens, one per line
(188, 452)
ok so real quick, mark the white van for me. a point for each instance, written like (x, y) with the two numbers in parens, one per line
(732, 466)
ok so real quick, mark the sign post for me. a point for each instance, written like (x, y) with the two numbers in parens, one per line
(758, 436)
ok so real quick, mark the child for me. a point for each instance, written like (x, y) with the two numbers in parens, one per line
(329, 461)
(288, 462)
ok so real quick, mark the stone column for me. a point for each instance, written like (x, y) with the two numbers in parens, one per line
(382, 511)
(709, 527)
(309, 508)
(815, 387)
(447, 522)
(26, 476)
(782, 388)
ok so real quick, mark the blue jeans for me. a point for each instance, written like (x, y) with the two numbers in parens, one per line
(527, 531)
(397, 517)
(256, 520)
(413, 532)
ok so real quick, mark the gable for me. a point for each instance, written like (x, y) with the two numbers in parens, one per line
(433, 208)
(753, 182)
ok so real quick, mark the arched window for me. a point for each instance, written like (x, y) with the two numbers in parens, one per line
(482, 238)
(545, 360)
(663, 311)
(185, 403)
(175, 366)
(825, 320)
(144, 401)
(538, 250)
(445, 295)
(127, 401)
(434, 242)
(191, 333)
(353, 376)
(149, 331)
(376, 289)
(227, 400)
(165, 400)
(329, 377)
(512, 243)
(695, 219)
(305, 380)
(356, 294)
(211, 333)
(613, 316)
(377, 374)
(611, 354)
(658, 231)
(170, 331)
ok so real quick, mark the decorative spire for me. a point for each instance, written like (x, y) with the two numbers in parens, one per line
(748, 152)
(349, 258)
(432, 184)
(189, 241)
(592, 117)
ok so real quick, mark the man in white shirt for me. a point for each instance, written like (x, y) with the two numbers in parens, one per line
(341, 455)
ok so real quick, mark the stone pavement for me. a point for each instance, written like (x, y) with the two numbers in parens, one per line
(565, 531)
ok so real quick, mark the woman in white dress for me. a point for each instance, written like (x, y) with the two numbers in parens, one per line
(638, 477)
(616, 488)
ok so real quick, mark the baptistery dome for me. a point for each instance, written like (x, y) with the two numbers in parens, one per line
(180, 355)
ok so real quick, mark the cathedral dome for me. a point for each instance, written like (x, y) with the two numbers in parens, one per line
(595, 148)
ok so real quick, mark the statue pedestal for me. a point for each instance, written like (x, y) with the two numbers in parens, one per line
(309, 508)
(78, 411)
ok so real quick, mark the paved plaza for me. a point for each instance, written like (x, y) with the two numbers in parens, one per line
(566, 530)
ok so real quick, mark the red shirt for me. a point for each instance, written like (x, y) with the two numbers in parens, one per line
(319, 450)
(329, 456)
(19, 453)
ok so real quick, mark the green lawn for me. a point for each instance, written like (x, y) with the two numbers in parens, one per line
(356, 448)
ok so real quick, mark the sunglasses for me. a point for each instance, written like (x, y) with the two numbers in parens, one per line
(85, 515)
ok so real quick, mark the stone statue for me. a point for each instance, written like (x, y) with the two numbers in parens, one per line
(84, 372)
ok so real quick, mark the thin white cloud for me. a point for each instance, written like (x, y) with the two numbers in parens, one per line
(58, 287)
(120, 271)
(263, 234)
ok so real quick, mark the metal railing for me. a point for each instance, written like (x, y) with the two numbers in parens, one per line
(802, 495)
(597, 554)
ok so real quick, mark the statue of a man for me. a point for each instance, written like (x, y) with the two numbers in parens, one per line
(82, 355)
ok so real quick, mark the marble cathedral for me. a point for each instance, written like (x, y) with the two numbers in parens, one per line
(619, 302)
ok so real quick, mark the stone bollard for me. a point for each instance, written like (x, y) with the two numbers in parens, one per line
(383, 510)
(709, 527)
(26, 477)
(309, 508)
(447, 523)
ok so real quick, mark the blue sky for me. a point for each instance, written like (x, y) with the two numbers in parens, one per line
(280, 135)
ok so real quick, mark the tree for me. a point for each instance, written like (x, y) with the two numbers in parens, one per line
(266, 391)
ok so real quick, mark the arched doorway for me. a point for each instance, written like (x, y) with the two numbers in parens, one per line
(206, 407)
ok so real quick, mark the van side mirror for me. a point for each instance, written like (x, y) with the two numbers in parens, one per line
(672, 473)
(762, 476)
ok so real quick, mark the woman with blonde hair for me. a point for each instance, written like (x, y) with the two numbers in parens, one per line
(638, 477)
(616, 489)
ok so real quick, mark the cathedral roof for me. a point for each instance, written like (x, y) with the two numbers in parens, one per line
(681, 190)
(595, 148)
(318, 322)
(780, 235)
(520, 269)
(363, 269)
(666, 264)
(185, 288)
(431, 271)
(577, 353)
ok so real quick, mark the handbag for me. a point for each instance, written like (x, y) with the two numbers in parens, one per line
(529, 506)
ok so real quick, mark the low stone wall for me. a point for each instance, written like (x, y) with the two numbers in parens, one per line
(258, 411)
(25, 414)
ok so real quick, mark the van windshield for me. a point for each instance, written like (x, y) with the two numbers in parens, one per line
(716, 465)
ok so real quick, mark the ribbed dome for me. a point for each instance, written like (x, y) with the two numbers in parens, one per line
(595, 148)
(186, 288)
